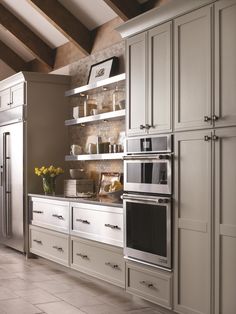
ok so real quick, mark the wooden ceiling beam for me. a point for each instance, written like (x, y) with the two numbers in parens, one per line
(125, 9)
(32, 42)
(11, 58)
(65, 22)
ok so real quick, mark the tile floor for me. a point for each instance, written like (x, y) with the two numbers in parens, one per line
(39, 286)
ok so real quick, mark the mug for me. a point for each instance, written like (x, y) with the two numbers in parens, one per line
(92, 148)
(75, 149)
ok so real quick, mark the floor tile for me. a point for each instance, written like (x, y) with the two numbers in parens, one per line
(36, 296)
(6, 294)
(18, 306)
(59, 308)
(101, 309)
(52, 286)
(78, 299)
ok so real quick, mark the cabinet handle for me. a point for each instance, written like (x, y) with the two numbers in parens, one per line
(58, 248)
(207, 118)
(142, 126)
(113, 266)
(38, 241)
(147, 284)
(83, 221)
(147, 126)
(112, 226)
(207, 138)
(215, 137)
(215, 117)
(58, 216)
(37, 211)
(82, 255)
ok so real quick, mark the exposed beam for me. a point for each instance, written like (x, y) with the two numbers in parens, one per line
(36, 45)
(126, 9)
(11, 58)
(65, 22)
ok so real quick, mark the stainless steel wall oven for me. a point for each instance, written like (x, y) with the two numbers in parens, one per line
(147, 200)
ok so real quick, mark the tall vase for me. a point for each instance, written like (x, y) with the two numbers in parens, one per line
(49, 185)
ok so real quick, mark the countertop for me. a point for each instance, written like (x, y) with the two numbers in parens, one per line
(96, 200)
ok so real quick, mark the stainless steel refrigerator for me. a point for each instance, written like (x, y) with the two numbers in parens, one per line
(11, 185)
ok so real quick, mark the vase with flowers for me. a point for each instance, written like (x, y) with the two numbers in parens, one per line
(49, 175)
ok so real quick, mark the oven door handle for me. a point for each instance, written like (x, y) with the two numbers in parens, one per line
(154, 199)
(149, 157)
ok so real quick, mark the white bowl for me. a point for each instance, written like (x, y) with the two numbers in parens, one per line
(77, 173)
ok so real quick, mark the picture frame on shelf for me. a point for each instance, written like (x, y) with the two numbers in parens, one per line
(106, 179)
(103, 70)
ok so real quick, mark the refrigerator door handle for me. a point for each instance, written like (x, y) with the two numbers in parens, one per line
(6, 197)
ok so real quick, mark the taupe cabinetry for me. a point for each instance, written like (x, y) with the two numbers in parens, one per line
(149, 81)
(193, 69)
(13, 96)
(225, 62)
(205, 237)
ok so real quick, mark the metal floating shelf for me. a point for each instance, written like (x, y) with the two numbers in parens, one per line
(103, 83)
(112, 115)
(112, 156)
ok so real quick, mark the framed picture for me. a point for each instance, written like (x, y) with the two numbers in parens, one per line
(107, 178)
(103, 70)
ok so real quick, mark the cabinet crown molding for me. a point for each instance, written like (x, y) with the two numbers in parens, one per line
(159, 15)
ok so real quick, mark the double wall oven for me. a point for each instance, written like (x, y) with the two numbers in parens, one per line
(147, 200)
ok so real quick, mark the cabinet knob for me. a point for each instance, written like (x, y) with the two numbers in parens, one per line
(82, 255)
(142, 126)
(38, 241)
(147, 284)
(207, 118)
(114, 266)
(215, 117)
(60, 249)
(83, 221)
(147, 126)
(163, 201)
(164, 157)
(207, 138)
(215, 138)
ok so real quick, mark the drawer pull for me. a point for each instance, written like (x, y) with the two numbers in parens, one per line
(82, 255)
(112, 226)
(58, 248)
(58, 216)
(38, 241)
(114, 266)
(83, 221)
(37, 211)
(147, 284)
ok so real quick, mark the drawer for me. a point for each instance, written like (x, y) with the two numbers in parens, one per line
(49, 244)
(53, 215)
(149, 283)
(99, 260)
(103, 224)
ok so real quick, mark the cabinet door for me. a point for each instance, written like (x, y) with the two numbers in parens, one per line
(225, 216)
(225, 62)
(159, 109)
(192, 53)
(193, 206)
(136, 84)
(17, 95)
(5, 99)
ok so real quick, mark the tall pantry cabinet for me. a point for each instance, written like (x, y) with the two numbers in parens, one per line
(202, 59)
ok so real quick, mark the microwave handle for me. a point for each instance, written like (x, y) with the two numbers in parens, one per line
(154, 199)
(147, 157)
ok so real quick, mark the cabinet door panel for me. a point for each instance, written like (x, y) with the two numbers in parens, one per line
(193, 177)
(225, 216)
(5, 99)
(159, 109)
(136, 89)
(192, 53)
(17, 95)
(225, 62)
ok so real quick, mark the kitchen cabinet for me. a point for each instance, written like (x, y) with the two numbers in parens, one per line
(205, 235)
(149, 69)
(193, 70)
(225, 63)
(12, 96)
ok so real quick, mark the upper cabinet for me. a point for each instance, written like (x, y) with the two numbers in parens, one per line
(149, 81)
(193, 70)
(225, 62)
(11, 97)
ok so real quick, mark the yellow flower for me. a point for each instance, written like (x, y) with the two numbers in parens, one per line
(50, 171)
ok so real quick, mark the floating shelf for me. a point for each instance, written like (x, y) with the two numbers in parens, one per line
(103, 83)
(112, 156)
(113, 115)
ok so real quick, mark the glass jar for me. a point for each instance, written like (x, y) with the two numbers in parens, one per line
(118, 99)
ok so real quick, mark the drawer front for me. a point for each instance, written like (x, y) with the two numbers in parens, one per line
(51, 215)
(152, 285)
(49, 244)
(99, 260)
(98, 225)
(17, 95)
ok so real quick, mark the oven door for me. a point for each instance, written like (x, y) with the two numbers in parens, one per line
(147, 227)
(148, 173)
